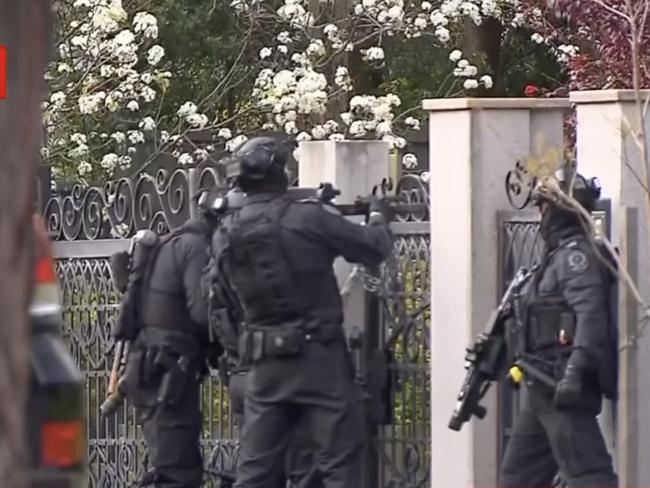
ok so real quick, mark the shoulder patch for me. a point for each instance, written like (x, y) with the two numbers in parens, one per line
(577, 261)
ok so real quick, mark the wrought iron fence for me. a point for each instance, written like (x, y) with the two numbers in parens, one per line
(90, 224)
(404, 446)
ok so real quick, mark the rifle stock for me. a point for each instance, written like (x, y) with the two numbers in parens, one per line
(485, 359)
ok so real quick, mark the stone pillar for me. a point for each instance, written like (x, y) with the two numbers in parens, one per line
(606, 149)
(473, 144)
(353, 167)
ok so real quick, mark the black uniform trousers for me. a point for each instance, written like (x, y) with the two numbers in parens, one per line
(172, 435)
(315, 390)
(546, 439)
(300, 465)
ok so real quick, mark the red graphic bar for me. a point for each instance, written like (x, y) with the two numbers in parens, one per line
(3, 72)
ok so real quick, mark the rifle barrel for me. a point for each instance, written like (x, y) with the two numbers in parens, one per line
(362, 209)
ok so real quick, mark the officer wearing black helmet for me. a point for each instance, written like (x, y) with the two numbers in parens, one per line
(226, 318)
(565, 331)
(276, 265)
(168, 357)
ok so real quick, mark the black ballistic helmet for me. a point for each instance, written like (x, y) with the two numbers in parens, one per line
(585, 191)
(260, 158)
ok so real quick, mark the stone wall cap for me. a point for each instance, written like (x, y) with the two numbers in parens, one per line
(605, 96)
(446, 104)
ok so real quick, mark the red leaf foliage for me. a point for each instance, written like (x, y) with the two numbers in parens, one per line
(602, 30)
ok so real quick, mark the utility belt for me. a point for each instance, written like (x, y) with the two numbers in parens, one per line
(259, 343)
(161, 365)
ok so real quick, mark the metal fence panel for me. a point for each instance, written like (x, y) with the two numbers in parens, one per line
(405, 446)
(89, 225)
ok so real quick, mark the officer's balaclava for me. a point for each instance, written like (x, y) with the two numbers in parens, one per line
(558, 222)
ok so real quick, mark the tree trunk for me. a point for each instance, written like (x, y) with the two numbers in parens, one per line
(25, 29)
(483, 42)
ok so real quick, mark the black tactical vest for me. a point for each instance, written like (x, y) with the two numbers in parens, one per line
(260, 269)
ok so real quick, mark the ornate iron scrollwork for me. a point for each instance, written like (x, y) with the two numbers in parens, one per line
(412, 190)
(519, 186)
(161, 202)
(120, 208)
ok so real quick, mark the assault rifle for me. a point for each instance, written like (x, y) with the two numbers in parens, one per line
(486, 358)
(326, 192)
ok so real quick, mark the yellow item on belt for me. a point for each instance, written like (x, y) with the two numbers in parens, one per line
(516, 374)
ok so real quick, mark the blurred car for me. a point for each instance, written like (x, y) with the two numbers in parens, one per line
(55, 414)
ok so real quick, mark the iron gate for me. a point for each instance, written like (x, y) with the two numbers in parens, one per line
(90, 224)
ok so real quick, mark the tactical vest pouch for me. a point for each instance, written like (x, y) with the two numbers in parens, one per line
(551, 323)
(246, 347)
(283, 342)
(256, 345)
(140, 393)
(176, 376)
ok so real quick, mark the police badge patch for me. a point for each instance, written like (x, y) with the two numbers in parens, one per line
(578, 262)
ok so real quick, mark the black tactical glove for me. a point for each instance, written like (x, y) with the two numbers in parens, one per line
(213, 355)
(379, 211)
(569, 389)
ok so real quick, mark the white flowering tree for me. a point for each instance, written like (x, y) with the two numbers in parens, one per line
(308, 69)
(105, 92)
(308, 84)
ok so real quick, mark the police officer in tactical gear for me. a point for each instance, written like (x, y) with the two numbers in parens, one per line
(168, 358)
(564, 328)
(299, 469)
(276, 261)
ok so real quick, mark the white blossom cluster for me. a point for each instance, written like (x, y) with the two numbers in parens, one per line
(562, 52)
(414, 19)
(298, 99)
(468, 72)
(110, 73)
(105, 86)
(308, 92)
(107, 72)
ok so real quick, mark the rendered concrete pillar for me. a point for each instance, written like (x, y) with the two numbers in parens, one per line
(606, 148)
(473, 144)
(354, 167)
